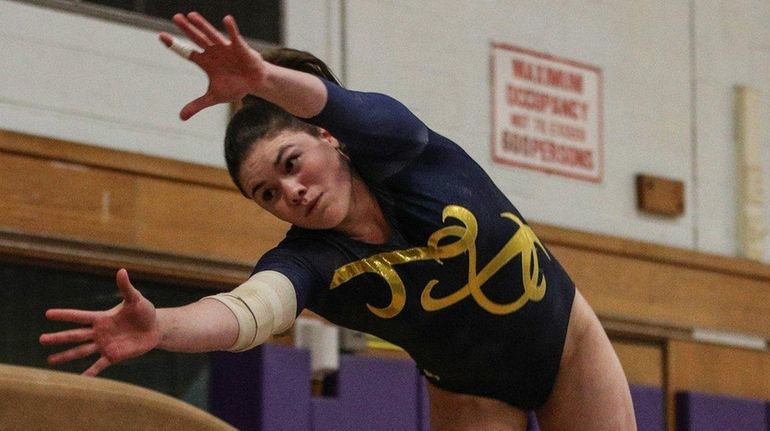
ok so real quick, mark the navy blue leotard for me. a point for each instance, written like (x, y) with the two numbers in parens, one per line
(464, 285)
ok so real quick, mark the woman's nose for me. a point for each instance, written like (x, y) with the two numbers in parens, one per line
(294, 190)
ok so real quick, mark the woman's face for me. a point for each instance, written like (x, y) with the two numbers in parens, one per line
(299, 178)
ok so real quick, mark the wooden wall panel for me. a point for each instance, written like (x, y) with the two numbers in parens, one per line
(123, 161)
(102, 209)
(44, 197)
(642, 362)
(65, 200)
(669, 293)
(196, 220)
(716, 369)
(84, 207)
(145, 204)
(719, 369)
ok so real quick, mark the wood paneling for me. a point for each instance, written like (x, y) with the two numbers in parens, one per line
(647, 286)
(642, 362)
(134, 207)
(196, 220)
(96, 209)
(139, 164)
(89, 257)
(65, 191)
(718, 370)
(75, 205)
(52, 198)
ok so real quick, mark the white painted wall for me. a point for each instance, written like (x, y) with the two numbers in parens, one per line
(669, 68)
(442, 72)
(96, 82)
(732, 47)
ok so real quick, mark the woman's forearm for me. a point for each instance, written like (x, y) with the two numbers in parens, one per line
(202, 326)
(299, 93)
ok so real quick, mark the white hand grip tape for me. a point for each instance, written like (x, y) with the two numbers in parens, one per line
(184, 49)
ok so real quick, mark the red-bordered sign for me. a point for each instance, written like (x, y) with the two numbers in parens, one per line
(546, 113)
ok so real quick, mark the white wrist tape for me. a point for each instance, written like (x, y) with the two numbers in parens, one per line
(264, 305)
(182, 48)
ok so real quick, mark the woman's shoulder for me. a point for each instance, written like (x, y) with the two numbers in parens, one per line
(304, 255)
(315, 245)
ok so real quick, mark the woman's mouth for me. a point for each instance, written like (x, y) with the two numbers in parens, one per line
(312, 204)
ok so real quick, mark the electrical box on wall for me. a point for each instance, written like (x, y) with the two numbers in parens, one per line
(660, 196)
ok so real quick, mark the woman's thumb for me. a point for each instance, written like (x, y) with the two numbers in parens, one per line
(130, 294)
(196, 106)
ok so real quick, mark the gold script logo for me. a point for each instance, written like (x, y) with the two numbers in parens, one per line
(522, 242)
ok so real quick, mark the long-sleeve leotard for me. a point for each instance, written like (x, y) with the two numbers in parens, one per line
(464, 285)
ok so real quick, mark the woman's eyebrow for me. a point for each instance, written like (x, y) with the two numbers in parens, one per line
(281, 151)
(276, 162)
(256, 187)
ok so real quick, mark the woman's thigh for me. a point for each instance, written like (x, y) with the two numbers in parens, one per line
(591, 390)
(451, 411)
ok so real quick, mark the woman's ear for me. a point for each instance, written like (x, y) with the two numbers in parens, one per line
(331, 140)
(326, 136)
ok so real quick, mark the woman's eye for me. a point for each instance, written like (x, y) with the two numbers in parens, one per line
(268, 195)
(290, 163)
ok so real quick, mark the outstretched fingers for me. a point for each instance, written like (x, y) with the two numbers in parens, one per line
(82, 317)
(97, 367)
(68, 336)
(226, 58)
(191, 31)
(206, 28)
(232, 30)
(72, 354)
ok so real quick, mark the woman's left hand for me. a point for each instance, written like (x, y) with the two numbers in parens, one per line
(128, 330)
(234, 69)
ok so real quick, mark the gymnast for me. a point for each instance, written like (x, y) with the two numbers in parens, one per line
(396, 232)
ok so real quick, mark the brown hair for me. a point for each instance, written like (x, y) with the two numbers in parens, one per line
(297, 60)
(260, 119)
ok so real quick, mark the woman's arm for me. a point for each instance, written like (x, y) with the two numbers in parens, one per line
(234, 70)
(264, 305)
(135, 326)
(202, 326)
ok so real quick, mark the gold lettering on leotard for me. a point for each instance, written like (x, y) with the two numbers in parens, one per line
(522, 242)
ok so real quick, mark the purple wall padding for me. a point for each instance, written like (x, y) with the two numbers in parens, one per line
(424, 408)
(532, 422)
(648, 408)
(705, 412)
(270, 379)
(372, 394)
(268, 388)
(767, 415)
(327, 414)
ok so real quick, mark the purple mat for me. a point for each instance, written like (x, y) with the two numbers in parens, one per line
(270, 379)
(532, 422)
(372, 394)
(268, 388)
(767, 415)
(648, 408)
(424, 408)
(705, 412)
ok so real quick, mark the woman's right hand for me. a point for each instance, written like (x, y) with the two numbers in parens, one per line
(234, 69)
(126, 331)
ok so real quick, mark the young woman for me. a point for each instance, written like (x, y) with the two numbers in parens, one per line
(396, 231)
